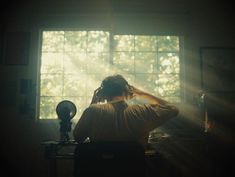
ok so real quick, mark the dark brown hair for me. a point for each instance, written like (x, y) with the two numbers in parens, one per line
(115, 85)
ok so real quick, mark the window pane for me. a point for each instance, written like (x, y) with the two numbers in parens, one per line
(168, 63)
(145, 43)
(124, 61)
(168, 85)
(53, 41)
(168, 43)
(97, 62)
(98, 41)
(51, 84)
(124, 43)
(147, 82)
(74, 85)
(75, 41)
(48, 107)
(75, 63)
(144, 62)
(52, 63)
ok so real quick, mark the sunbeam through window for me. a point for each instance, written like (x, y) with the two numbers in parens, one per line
(73, 64)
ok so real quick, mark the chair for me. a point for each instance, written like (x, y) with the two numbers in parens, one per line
(109, 159)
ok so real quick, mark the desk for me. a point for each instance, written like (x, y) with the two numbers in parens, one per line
(54, 150)
(65, 150)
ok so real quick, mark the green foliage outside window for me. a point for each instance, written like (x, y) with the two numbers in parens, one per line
(73, 64)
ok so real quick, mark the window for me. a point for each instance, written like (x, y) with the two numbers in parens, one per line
(73, 64)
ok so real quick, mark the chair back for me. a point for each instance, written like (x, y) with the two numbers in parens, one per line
(109, 159)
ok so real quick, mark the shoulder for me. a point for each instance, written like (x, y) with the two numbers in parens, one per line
(90, 110)
(141, 106)
(144, 110)
(98, 107)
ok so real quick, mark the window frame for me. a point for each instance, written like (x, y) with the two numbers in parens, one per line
(111, 38)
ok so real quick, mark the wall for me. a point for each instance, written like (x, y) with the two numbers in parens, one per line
(201, 23)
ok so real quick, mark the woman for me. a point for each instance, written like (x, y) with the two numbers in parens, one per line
(115, 120)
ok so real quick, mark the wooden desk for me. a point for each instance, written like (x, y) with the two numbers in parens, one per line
(54, 150)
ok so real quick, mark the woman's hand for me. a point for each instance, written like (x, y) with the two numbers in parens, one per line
(147, 96)
(135, 91)
(96, 96)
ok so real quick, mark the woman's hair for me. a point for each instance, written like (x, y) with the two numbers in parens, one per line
(115, 85)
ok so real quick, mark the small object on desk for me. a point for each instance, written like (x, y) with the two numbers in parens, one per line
(65, 110)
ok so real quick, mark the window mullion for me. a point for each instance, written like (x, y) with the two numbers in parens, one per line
(111, 48)
(157, 64)
(63, 73)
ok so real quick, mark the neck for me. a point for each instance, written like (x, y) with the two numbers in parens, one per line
(117, 98)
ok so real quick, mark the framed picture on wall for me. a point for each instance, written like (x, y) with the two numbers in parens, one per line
(218, 69)
(1, 44)
(16, 50)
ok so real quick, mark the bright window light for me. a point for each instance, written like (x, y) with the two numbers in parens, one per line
(73, 64)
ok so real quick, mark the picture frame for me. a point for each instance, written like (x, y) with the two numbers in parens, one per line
(1, 44)
(16, 48)
(217, 69)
